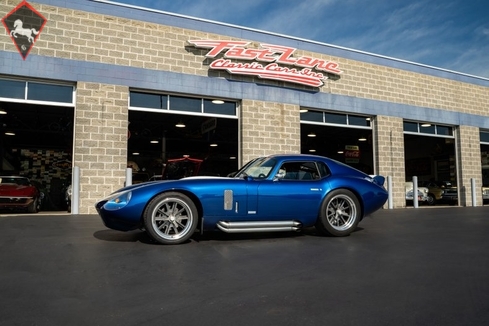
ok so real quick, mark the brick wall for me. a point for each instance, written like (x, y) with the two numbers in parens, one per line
(93, 37)
(100, 149)
(389, 142)
(469, 164)
(269, 128)
(101, 110)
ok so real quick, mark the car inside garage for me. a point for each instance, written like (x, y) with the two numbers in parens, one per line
(36, 137)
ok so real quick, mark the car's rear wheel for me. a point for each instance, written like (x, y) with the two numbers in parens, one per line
(171, 218)
(340, 213)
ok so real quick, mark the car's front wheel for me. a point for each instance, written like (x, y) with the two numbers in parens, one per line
(171, 218)
(340, 213)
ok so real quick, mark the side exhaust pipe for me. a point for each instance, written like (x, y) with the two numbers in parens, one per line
(259, 226)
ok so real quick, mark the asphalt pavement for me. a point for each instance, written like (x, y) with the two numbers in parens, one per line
(426, 266)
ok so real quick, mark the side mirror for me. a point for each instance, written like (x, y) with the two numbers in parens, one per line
(280, 175)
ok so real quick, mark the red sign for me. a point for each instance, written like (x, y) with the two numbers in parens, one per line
(267, 62)
(352, 154)
(24, 24)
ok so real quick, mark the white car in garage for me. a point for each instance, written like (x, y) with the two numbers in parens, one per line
(422, 193)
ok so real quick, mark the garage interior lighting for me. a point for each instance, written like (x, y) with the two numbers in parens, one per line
(311, 134)
(303, 110)
(312, 150)
(10, 133)
(154, 142)
(340, 151)
(213, 145)
(135, 153)
(362, 138)
(218, 101)
(180, 125)
(3, 111)
(426, 125)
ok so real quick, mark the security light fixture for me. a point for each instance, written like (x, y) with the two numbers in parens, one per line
(218, 101)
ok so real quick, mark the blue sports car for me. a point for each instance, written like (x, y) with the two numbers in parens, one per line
(273, 193)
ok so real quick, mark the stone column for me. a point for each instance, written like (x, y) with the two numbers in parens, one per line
(389, 155)
(100, 141)
(469, 164)
(269, 128)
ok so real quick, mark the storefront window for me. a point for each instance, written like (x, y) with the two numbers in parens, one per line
(12, 89)
(410, 126)
(33, 91)
(445, 131)
(358, 121)
(50, 93)
(335, 118)
(315, 116)
(150, 101)
(179, 103)
(226, 108)
(427, 128)
(187, 104)
(484, 135)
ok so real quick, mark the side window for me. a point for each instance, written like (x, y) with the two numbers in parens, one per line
(323, 170)
(299, 171)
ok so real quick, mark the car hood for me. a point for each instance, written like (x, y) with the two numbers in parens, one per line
(10, 189)
(178, 181)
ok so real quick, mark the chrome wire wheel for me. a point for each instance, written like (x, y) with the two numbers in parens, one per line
(171, 218)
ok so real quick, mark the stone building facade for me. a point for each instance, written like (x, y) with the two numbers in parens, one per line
(105, 50)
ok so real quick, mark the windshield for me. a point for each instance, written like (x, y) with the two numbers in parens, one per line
(259, 168)
(19, 181)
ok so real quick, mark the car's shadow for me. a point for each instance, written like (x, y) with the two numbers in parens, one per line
(118, 236)
(143, 237)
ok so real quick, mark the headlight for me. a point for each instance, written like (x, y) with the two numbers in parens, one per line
(118, 201)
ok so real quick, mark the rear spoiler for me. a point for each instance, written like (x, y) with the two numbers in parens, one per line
(378, 179)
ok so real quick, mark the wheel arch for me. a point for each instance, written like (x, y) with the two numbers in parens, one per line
(189, 194)
(351, 189)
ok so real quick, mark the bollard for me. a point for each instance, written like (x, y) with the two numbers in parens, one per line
(75, 191)
(390, 192)
(128, 177)
(415, 192)
(472, 187)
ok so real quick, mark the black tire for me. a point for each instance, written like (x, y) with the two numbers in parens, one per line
(431, 201)
(170, 218)
(340, 213)
(33, 207)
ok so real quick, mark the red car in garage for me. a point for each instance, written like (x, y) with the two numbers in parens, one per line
(18, 193)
